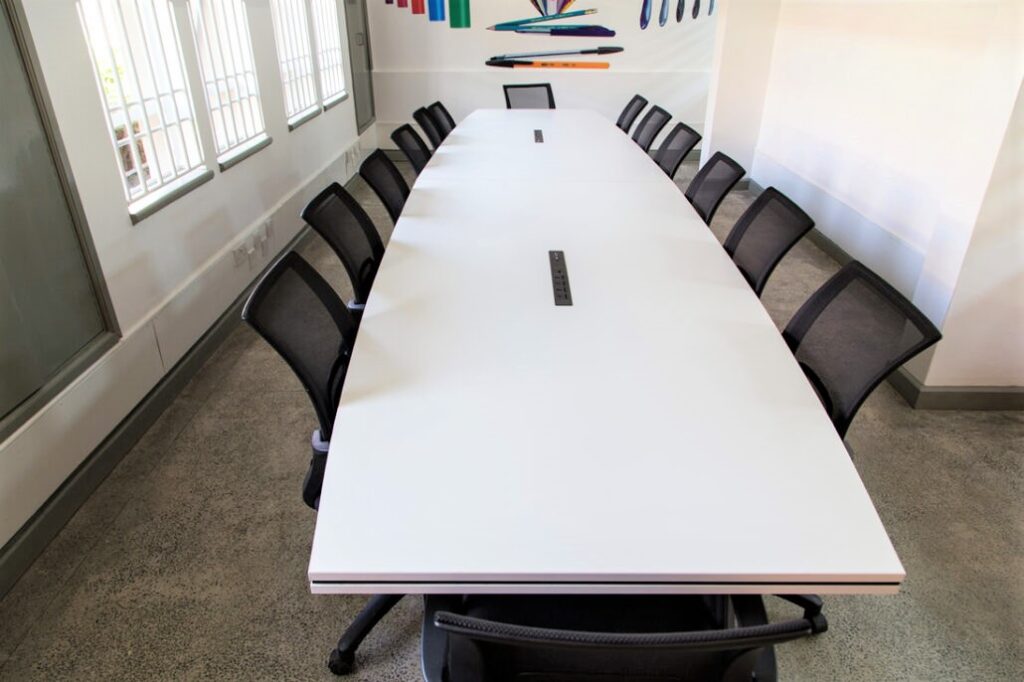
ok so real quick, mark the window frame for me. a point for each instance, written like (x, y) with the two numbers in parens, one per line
(173, 107)
(239, 48)
(314, 33)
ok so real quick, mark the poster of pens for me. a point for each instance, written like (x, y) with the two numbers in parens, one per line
(561, 19)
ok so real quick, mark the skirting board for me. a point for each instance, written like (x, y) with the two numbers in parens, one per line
(30, 541)
(918, 395)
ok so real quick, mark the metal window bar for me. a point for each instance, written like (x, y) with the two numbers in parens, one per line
(226, 57)
(136, 55)
(294, 55)
(328, 40)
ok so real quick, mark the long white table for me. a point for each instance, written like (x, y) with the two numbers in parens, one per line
(655, 437)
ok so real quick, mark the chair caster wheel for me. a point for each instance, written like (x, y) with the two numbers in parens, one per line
(341, 663)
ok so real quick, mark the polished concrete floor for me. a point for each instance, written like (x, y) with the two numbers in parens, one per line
(189, 561)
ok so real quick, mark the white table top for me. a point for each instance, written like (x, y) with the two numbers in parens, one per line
(657, 436)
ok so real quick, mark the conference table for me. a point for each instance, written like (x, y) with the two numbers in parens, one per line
(655, 436)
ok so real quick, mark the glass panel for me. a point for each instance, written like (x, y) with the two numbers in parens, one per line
(48, 307)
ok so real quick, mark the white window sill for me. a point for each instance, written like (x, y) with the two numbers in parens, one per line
(151, 203)
(304, 116)
(335, 99)
(242, 152)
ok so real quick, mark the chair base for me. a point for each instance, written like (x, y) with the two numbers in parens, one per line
(342, 660)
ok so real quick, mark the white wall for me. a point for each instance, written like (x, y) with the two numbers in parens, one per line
(985, 326)
(883, 120)
(744, 41)
(416, 62)
(173, 274)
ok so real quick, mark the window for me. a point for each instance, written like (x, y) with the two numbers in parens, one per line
(291, 31)
(136, 52)
(328, 49)
(229, 75)
(303, 96)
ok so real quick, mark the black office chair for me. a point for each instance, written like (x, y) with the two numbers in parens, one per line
(426, 122)
(649, 127)
(344, 225)
(532, 96)
(712, 182)
(629, 114)
(764, 234)
(413, 146)
(851, 334)
(679, 142)
(386, 181)
(301, 317)
(607, 638)
(442, 119)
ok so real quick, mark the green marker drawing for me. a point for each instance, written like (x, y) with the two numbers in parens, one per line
(458, 13)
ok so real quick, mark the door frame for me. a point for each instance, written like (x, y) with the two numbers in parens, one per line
(360, 129)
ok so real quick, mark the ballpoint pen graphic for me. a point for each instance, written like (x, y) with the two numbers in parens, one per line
(524, 64)
(513, 25)
(711, 7)
(559, 53)
(663, 15)
(581, 31)
(696, 8)
(680, 10)
(645, 13)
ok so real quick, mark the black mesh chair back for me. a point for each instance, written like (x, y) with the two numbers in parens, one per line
(851, 334)
(427, 124)
(764, 234)
(649, 127)
(386, 181)
(348, 230)
(412, 145)
(679, 142)
(712, 182)
(606, 638)
(301, 317)
(629, 114)
(532, 96)
(442, 119)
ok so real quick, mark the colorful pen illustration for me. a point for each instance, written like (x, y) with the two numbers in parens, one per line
(456, 13)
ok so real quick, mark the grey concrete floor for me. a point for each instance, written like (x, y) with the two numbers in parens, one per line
(189, 561)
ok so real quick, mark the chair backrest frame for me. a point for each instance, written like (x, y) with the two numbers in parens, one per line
(412, 145)
(668, 158)
(650, 125)
(325, 392)
(805, 317)
(362, 273)
(442, 118)
(707, 213)
(378, 170)
(426, 122)
(801, 222)
(515, 87)
(456, 645)
(628, 116)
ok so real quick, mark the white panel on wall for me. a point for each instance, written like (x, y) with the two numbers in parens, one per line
(417, 61)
